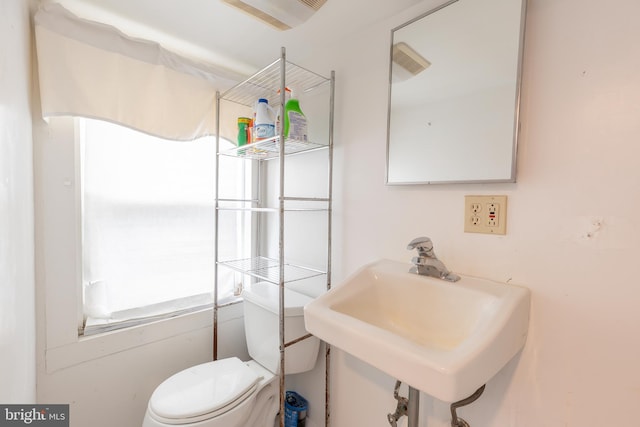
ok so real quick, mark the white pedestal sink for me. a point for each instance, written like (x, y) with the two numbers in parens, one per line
(445, 339)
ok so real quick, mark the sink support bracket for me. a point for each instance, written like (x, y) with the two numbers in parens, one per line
(410, 407)
(457, 421)
(406, 406)
(401, 408)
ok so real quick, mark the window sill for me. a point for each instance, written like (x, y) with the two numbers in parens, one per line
(139, 316)
(102, 345)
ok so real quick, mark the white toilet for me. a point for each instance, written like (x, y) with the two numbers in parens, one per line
(232, 393)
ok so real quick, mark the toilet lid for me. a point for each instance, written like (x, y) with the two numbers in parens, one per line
(203, 389)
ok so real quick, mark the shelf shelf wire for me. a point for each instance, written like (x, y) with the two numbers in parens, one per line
(266, 84)
(268, 269)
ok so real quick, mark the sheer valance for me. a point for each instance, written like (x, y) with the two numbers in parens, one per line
(93, 70)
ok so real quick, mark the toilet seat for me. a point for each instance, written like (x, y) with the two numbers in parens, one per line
(203, 392)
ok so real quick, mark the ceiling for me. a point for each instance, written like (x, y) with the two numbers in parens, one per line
(216, 32)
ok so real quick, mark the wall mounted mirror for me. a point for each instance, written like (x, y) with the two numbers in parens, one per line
(454, 94)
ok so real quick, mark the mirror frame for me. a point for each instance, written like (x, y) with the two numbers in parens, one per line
(516, 122)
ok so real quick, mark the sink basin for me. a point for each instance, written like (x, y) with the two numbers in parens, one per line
(445, 339)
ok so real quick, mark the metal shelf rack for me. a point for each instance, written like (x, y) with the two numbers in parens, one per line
(268, 269)
(270, 148)
(270, 83)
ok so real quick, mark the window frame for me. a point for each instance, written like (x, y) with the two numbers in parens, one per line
(59, 267)
(244, 184)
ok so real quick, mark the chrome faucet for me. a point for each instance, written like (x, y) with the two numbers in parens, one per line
(426, 263)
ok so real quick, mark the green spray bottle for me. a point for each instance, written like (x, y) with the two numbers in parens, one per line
(295, 122)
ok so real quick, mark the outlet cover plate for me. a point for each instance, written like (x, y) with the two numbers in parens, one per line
(485, 214)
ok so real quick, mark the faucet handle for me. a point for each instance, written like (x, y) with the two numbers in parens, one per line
(418, 241)
(424, 245)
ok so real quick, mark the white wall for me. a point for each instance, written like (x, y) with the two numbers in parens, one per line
(17, 312)
(571, 236)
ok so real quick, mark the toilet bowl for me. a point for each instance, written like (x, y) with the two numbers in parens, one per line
(224, 393)
(230, 392)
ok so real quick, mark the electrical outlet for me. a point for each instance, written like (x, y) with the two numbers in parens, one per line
(485, 214)
(493, 214)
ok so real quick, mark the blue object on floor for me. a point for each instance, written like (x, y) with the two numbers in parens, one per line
(295, 409)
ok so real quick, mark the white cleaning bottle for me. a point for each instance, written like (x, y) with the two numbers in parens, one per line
(264, 124)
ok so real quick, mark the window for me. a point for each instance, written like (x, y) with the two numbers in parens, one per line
(148, 225)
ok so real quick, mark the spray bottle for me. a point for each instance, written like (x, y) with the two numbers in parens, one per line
(295, 122)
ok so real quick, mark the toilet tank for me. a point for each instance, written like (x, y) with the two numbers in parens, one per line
(262, 328)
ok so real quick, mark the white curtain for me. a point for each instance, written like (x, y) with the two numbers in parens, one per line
(93, 70)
